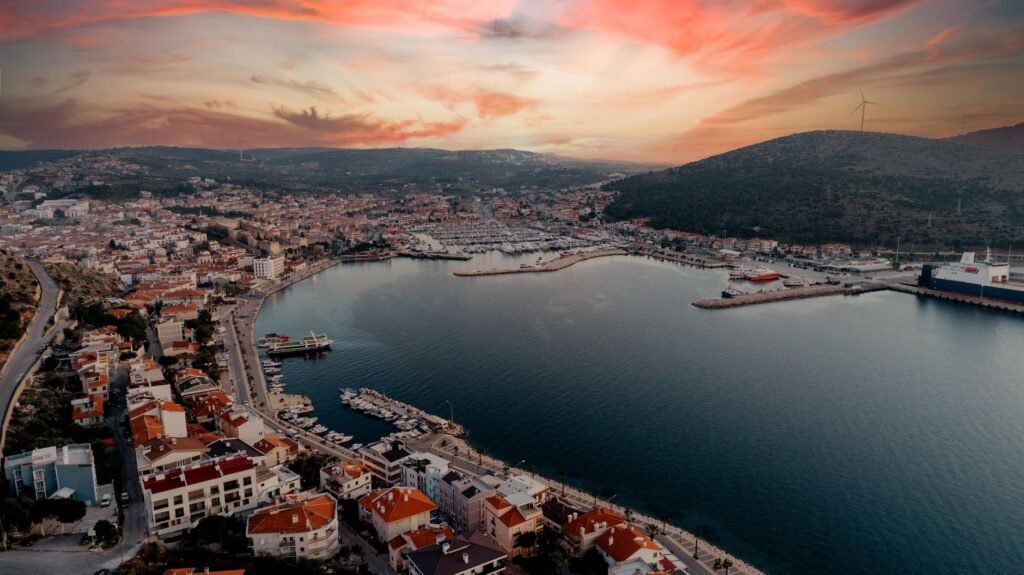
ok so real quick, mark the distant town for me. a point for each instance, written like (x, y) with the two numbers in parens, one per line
(144, 416)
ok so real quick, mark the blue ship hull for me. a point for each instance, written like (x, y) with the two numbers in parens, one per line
(994, 292)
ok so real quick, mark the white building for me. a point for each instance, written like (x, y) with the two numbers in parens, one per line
(302, 525)
(350, 480)
(396, 510)
(268, 268)
(424, 472)
(177, 499)
(384, 459)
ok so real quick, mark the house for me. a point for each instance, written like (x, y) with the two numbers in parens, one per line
(87, 411)
(238, 421)
(384, 460)
(395, 510)
(424, 472)
(461, 556)
(178, 498)
(157, 418)
(42, 472)
(506, 520)
(583, 530)
(277, 449)
(349, 480)
(302, 525)
(462, 498)
(412, 541)
(624, 544)
(205, 407)
(164, 453)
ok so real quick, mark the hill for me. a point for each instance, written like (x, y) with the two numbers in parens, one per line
(17, 300)
(390, 170)
(1006, 138)
(861, 187)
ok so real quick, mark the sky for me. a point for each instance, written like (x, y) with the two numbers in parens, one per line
(662, 81)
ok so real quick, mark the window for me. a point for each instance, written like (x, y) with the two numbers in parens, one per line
(215, 502)
(178, 499)
(180, 512)
(248, 492)
(159, 517)
(233, 484)
(159, 504)
(247, 481)
(197, 494)
(215, 490)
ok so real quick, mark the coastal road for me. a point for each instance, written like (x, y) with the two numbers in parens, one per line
(27, 353)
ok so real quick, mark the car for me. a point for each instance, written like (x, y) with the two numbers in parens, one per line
(105, 501)
(124, 497)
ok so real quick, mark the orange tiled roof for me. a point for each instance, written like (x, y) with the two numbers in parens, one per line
(299, 517)
(591, 519)
(621, 543)
(397, 503)
(194, 571)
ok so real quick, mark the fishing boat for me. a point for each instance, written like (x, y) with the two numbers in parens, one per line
(732, 292)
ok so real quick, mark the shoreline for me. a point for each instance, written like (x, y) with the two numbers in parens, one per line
(552, 266)
(673, 538)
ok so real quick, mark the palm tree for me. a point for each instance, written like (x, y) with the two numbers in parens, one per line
(561, 476)
(654, 530)
(629, 515)
(726, 564)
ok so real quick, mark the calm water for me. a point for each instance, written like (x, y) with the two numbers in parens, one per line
(869, 434)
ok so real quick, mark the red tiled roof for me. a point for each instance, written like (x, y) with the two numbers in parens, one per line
(299, 517)
(397, 503)
(622, 543)
(591, 519)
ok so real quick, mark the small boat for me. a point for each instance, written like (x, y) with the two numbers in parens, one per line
(732, 292)
(355, 446)
(319, 429)
(794, 282)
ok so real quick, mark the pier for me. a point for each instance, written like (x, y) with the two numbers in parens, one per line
(786, 295)
(436, 256)
(959, 298)
(551, 266)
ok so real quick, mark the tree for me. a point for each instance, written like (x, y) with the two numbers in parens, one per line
(654, 530)
(65, 510)
(726, 564)
(167, 360)
(705, 532)
(527, 540)
(51, 363)
(16, 513)
(106, 532)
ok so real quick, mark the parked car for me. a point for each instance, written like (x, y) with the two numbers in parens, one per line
(105, 501)
(124, 497)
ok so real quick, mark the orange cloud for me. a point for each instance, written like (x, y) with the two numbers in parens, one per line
(26, 18)
(488, 103)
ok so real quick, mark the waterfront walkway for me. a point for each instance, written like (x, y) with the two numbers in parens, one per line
(679, 542)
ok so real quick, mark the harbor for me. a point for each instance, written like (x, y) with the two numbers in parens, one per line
(687, 259)
(549, 266)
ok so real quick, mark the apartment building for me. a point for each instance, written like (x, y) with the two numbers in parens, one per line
(176, 499)
(302, 525)
(396, 510)
(349, 480)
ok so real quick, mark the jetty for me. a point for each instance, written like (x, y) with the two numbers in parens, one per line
(551, 266)
(786, 295)
(985, 302)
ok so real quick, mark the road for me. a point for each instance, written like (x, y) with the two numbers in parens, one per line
(28, 352)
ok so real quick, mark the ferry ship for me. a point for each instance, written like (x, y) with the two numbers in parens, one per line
(312, 342)
(970, 277)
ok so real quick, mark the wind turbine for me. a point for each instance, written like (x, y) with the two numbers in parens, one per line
(863, 106)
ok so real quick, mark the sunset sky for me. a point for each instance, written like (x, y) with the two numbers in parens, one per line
(662, 81)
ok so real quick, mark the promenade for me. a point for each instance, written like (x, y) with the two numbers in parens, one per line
(680, 542)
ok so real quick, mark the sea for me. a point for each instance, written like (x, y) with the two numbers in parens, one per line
(877, 433)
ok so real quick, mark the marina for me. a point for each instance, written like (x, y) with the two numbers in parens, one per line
(551, 266)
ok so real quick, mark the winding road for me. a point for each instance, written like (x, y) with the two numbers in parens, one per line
(26, 354)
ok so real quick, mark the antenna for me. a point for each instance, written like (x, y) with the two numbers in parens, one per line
(863, 107)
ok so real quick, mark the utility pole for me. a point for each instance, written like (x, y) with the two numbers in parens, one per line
(897, 263)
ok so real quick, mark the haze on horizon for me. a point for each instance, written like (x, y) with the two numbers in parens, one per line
(660, 80)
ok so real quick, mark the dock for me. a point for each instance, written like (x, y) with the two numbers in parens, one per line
(436, 256)
(959, 298)
(700, 262)
(786, 295)
(552, 266)
(379, 400)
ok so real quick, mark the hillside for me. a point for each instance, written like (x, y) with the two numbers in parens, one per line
(17, 300)
(82, 285)
(861, 187)
(1006, 138)
(390, 170)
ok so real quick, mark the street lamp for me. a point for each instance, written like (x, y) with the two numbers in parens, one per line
(451, 417)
